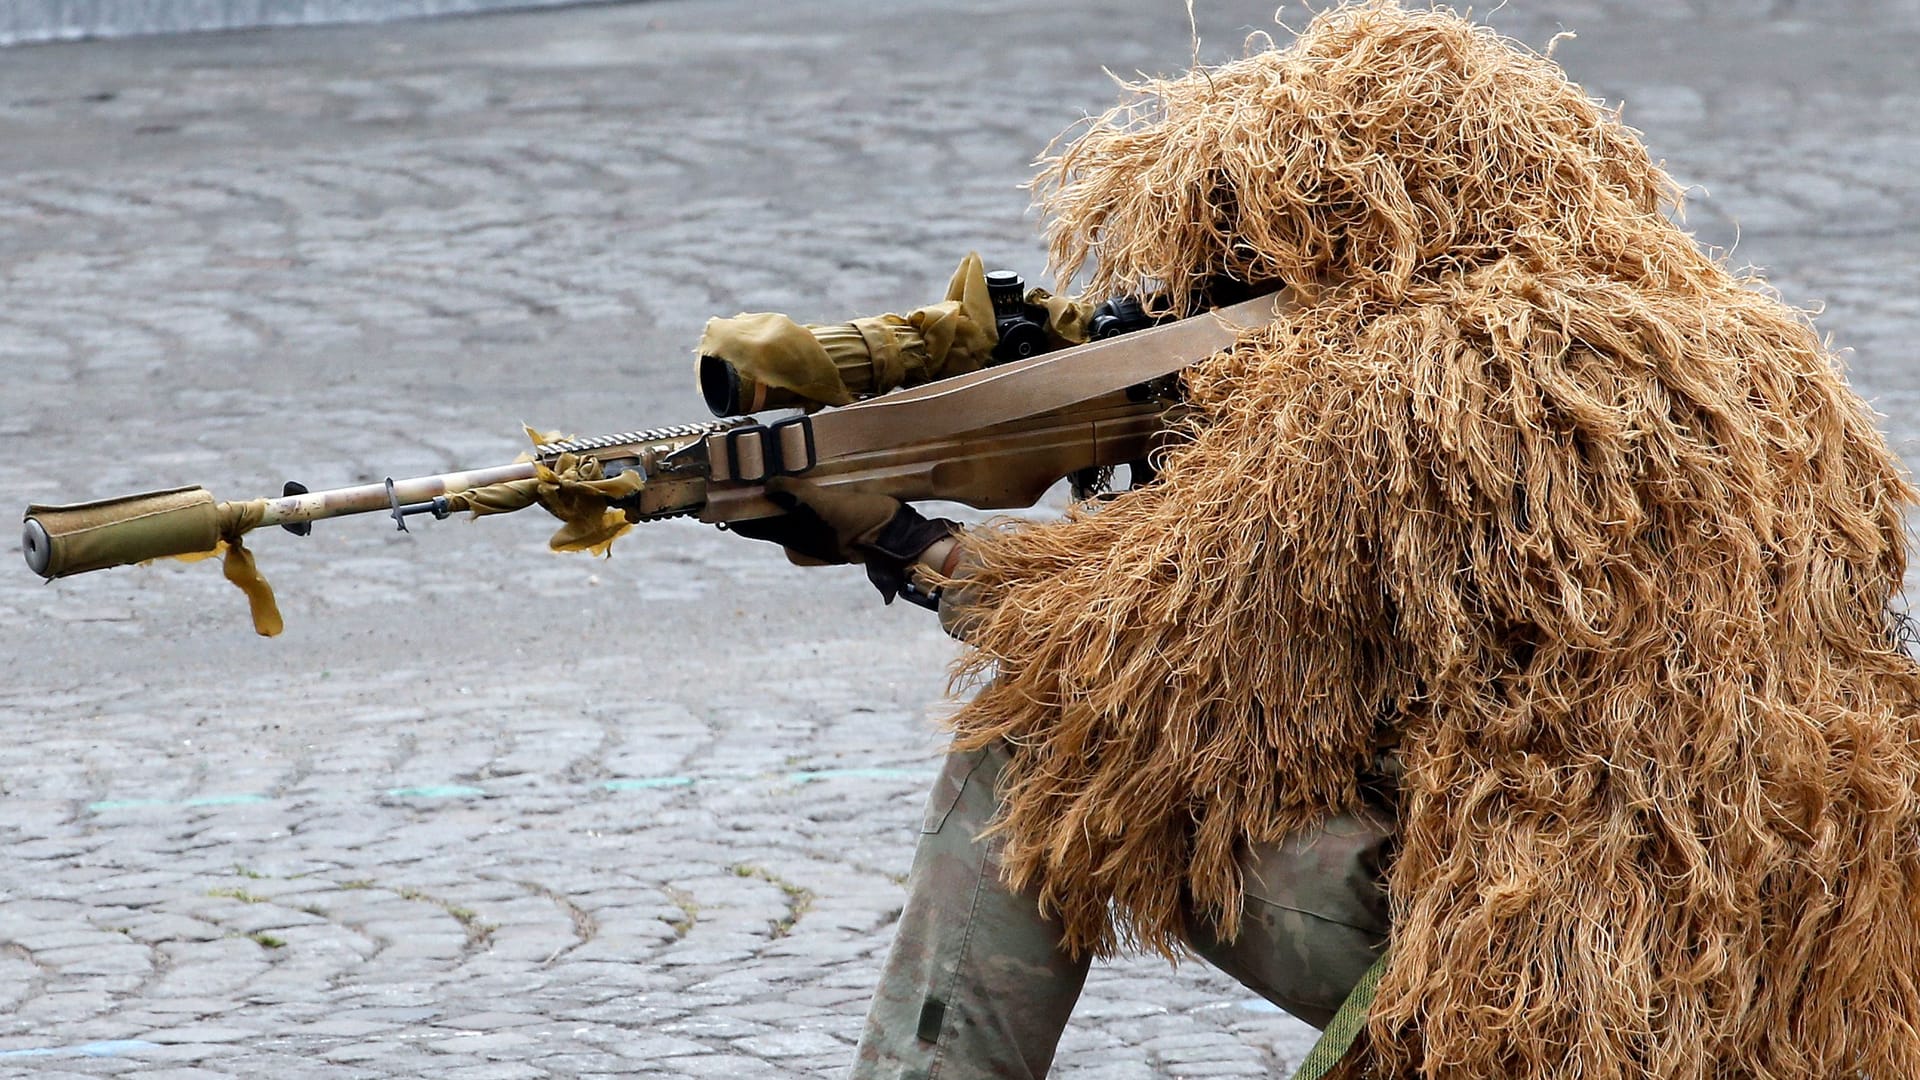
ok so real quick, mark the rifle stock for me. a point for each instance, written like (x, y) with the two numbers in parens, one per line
(1003, 467)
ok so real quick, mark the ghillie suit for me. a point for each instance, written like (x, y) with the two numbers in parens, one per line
(1588, 527)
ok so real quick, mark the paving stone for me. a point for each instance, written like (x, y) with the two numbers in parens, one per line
(496, 1071)
(485, 1045)
(792, 1044)
(203, 1034)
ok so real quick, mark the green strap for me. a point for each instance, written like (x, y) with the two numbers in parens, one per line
(1346, 1026)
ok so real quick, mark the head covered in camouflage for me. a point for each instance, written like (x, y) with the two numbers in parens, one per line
(1590, 528)
(1383, 150)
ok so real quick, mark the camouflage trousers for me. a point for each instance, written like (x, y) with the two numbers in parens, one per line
(976, 985)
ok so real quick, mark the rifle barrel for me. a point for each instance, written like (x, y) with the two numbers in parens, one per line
(62, 540)
(368, 498)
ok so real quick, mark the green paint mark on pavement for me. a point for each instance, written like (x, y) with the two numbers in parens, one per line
(435, 791)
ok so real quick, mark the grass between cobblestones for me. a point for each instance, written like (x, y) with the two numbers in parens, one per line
(799, 899)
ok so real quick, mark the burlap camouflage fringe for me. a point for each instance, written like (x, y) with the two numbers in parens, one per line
(1590, 526)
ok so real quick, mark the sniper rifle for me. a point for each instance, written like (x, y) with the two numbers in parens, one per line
(993, 438)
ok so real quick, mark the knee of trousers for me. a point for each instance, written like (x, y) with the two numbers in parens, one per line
(975, 983)
(1314, 917)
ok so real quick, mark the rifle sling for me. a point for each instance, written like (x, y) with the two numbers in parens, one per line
(983, 398)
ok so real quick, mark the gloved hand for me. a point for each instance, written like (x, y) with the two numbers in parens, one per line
(822, 526)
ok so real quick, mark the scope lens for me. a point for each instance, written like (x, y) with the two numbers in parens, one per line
(720, 386)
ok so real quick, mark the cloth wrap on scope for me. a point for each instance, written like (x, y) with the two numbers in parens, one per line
(840, 363)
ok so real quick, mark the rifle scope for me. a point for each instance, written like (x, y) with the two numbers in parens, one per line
(731, 390)
(1020, 332)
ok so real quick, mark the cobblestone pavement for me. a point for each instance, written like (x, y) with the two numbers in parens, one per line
(485, 812)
